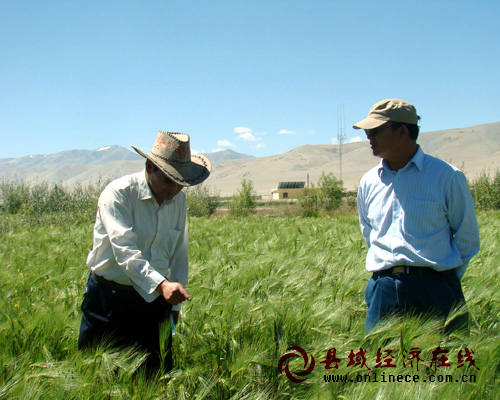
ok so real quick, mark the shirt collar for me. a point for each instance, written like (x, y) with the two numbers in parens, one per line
(417, 160)
(144, 191)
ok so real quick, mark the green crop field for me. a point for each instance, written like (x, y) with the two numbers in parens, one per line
(259, 286)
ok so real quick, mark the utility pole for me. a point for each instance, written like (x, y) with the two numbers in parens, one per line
(341, 135)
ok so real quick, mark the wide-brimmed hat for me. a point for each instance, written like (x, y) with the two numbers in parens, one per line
(171, 153)
(394, 110)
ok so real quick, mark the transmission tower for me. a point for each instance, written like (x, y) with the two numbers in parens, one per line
(341, 135)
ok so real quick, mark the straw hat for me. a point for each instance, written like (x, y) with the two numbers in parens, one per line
(172, 155)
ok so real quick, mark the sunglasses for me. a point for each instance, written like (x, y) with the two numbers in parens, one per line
(376, 131)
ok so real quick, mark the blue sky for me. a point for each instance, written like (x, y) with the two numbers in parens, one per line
(259, 77)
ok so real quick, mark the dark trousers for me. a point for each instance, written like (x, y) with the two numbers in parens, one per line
(418, 293)
(125, 318)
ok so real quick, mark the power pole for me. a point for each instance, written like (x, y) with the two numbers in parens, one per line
(341, 135)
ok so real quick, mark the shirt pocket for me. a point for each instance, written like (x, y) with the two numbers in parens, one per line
(423, 218)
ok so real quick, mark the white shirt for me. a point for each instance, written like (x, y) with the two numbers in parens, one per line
(422, 215)
(138, 242)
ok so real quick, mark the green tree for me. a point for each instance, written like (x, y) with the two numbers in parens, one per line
(486, 191)
(14, 196)
(332, 190)
(202, 201)
(309, 201)
(243, 203)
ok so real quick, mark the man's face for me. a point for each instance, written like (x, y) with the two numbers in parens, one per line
(163, 188)
(384, 140)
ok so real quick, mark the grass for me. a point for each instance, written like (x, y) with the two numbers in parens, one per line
(259, 286)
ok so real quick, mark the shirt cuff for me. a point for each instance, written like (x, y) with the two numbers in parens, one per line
(155, 279)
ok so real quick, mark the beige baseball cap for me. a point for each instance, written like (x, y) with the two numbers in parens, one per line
(395, 110)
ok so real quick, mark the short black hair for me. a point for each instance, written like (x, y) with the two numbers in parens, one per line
(414, 129)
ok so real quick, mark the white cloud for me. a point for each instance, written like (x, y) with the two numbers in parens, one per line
(245, 134)
(261, 133)
(242, 129)
(224, 143)
(311, 132)
(248, 137)
(217, 150)
(286, 132)
(259, 146)
(335, 140)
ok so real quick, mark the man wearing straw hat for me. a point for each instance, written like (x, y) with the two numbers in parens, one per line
(418, 219)
(139, 261)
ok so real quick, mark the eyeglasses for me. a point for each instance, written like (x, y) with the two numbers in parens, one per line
(376, 131)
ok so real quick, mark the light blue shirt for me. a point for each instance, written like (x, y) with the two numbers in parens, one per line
(422, 215)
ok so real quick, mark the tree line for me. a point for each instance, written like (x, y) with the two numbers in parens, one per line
(328, 194)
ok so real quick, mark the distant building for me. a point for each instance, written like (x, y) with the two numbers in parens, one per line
(288, 190)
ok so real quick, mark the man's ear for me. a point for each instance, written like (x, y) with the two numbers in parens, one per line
(404, 131)
(149, 166)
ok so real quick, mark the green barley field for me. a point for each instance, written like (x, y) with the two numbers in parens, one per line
(259, 286)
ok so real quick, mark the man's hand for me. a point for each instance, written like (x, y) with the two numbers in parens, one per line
(173, 292)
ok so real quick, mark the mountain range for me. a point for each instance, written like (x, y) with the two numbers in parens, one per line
(474, 149)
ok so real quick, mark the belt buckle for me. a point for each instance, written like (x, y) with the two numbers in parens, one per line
(400, 270)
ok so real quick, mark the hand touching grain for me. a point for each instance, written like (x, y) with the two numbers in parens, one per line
(173, 292)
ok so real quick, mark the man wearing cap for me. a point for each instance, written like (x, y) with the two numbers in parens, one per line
(139, 261)
(417, 217)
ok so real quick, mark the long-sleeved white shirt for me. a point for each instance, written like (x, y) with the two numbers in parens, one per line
(422, 215)
(138, 242)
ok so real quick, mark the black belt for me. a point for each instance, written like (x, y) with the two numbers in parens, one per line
(449, 276)
(112, 284)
